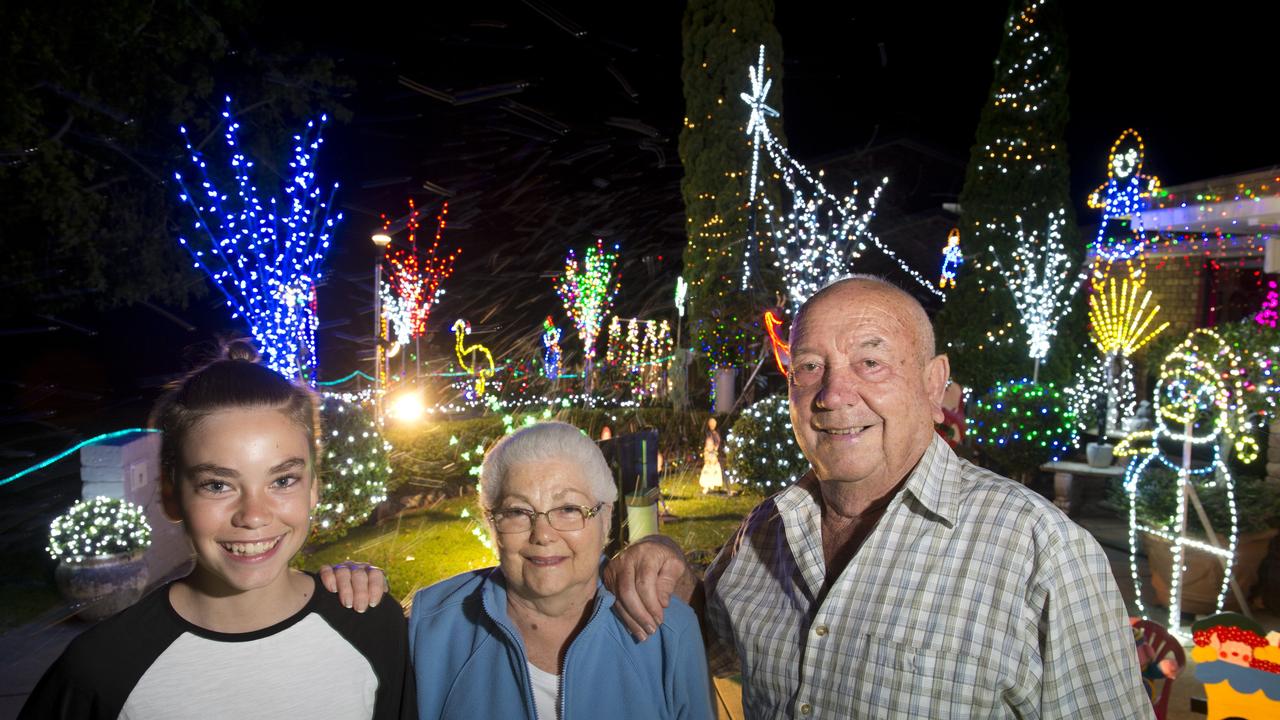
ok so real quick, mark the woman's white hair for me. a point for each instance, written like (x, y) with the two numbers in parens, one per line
(540, 442)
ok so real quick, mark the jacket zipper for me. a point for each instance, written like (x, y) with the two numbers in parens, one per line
(565, 664)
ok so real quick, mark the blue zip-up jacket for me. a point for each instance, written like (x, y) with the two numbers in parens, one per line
(471, 664)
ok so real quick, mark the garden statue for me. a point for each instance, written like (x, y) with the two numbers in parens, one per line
(712, 477)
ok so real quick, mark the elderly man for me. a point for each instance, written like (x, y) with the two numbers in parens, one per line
(894, 579)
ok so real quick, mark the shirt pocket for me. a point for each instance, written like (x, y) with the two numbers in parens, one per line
(900, 680)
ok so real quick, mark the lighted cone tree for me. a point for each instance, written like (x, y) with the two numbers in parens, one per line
(1017, 167)
(264, 256)
(587, 288)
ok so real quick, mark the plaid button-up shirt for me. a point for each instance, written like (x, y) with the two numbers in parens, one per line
(973, 597)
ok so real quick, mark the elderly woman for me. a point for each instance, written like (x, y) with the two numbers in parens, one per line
(535, 636)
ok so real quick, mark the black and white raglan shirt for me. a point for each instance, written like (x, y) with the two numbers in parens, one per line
(147, 662)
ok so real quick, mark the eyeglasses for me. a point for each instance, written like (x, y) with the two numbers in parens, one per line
(565, 518)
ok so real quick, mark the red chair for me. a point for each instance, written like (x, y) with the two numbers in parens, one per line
(1164, 645)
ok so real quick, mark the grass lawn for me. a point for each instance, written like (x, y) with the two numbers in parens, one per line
(422, 548)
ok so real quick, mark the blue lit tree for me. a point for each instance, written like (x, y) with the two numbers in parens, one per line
(265, 256)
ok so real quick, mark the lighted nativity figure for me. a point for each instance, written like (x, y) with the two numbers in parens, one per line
(712, 477)
(1122, 198)
(952, 259)
(1195, 404)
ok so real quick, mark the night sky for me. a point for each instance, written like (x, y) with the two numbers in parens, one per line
(587, 146)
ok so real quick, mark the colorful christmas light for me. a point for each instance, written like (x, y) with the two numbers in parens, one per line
(1041, 279)
(1267, 315)
(952, 259)
(264, 257)
(817, 240)
(641, 348)
(466, 354)
(551, 349)
(1023, 419)
(1122, 198)
(587, 290)
(414, 280)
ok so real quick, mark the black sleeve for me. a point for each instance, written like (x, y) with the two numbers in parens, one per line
(93, 677)
(381, 635)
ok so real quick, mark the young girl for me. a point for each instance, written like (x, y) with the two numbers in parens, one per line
(243, 635)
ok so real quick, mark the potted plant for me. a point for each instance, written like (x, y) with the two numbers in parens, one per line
(99, 544)
(1257, 512)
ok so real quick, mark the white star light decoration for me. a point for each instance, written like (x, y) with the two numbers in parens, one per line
(814, 242)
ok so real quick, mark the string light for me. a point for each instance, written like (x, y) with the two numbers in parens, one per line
(1118, 322)
(952, 259)
(551, 349)
(781, 349)
(815, 242)
(98, 527)
(761, 450)
(481, 373)
(1041, 280)
(587, 291)
(415, 280)
(355, 471)
(640, 349)
(1122, 198)
(1098, 384)
(1024, 420)
(264, 257)
(1198, 401)
(1267, 315)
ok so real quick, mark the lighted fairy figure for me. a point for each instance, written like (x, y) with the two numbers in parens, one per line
(1122, 198)
(1195, 404)
(712, 477)
(952, 259)
(551, 349)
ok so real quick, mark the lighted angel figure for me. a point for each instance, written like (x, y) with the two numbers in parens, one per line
(712, 477)
(952, 259)
(1195, 404)
(1122, 198)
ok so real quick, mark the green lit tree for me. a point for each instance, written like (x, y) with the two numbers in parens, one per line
(1017, 168)
(355, 471)
(721, 40)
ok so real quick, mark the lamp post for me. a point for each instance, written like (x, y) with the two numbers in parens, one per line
(381, 240)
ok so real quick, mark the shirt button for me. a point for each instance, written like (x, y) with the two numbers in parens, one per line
(806, 709)
(820, 631)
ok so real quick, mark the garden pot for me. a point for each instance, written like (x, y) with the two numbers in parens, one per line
(103, 586)
(1202, 573)
(1099, 454)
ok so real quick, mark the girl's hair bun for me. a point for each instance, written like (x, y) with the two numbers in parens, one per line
(240, 350)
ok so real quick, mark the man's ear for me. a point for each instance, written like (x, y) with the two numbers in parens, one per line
(936, 373)
(169, 496)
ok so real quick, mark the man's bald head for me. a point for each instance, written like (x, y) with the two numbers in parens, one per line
(911, 309)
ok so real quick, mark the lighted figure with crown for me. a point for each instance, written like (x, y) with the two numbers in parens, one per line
(1122, 198)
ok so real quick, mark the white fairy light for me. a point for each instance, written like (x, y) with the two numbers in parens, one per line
(1041, 279)
(817, 239)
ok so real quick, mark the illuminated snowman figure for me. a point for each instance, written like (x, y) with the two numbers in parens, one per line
(1195, 404)
(1122, 198)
